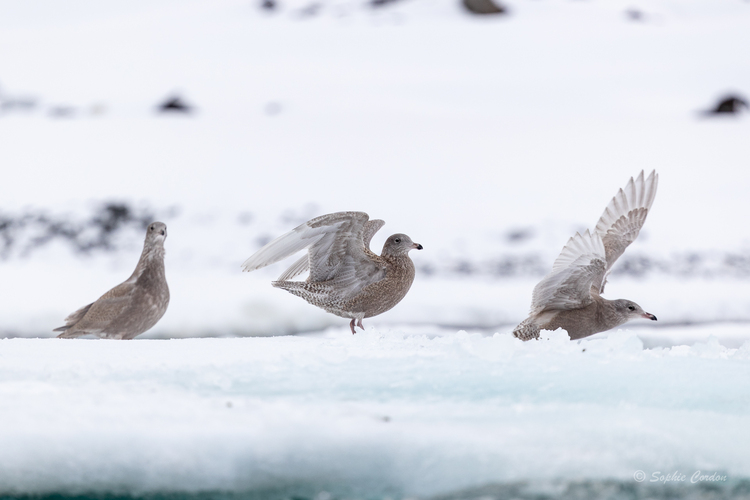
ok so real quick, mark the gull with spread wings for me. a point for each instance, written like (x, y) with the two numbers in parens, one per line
(346, 278)
(569, 297)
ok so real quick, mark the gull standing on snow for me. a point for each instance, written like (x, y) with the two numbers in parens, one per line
(346, 278)
(569, 297)
(132, 307)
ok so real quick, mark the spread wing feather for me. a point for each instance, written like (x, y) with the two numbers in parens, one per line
(303, 264)
(371, 227)
(299, 267)
(624, 217)
(299, 238)
(580, 271)
(579, 268)
(337, 252)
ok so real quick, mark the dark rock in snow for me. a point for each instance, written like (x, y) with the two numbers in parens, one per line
(311, 10)
(175, 104)
(23, 233)
(381, 3)
(14, 103)
(519, 235)
(17, 104)
(728, 105)
(62, 111)
(635, 15)
(484, 7)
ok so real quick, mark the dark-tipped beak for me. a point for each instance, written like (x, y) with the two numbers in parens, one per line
(417, 246)
(649, 316)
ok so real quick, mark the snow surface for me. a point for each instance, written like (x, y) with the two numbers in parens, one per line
(380, 413)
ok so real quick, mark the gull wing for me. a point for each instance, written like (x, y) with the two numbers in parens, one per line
(336, 251)
(95, 317)
(371, 227)
(300, 266)
(303, 264)
(74, 318)
(299, 238)
(576, 274)
(624, 217)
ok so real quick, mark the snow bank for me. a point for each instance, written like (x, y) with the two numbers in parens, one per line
(377, 413)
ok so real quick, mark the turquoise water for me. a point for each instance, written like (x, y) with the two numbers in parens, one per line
(573, 490)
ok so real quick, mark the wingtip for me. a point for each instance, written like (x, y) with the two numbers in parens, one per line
(251, 264)
(650, 187)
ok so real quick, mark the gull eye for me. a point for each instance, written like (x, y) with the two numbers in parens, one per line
(631, 308)
(397, 240)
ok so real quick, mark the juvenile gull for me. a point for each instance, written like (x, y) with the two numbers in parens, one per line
(132, 307)
(569, 296)
(346, 278)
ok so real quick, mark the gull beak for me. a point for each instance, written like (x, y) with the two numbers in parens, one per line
(649, 316)
(417, 246)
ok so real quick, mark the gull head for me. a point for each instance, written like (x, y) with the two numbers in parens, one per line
(156, 233)
(399, 244)
(628, 310)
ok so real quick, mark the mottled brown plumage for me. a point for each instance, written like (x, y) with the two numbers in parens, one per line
(132, 307)
(569, 297)
(346, 278)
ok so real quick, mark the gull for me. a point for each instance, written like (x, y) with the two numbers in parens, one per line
(346, 278)
(569, 297)
(132, 307)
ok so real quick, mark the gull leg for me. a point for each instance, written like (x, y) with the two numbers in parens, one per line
(359, 323)
(351, 325)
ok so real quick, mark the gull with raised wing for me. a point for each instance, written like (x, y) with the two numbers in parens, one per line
(132, 307)
(346, 278)
(569, 297)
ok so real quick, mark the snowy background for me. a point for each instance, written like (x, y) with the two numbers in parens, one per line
(488, 139)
